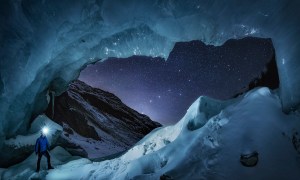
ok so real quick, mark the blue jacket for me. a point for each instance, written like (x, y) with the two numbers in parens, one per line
(41, 144)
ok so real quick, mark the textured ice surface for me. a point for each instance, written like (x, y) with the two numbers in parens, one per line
(203, 109)
(44, 44)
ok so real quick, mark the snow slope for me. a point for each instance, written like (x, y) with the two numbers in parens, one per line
(211, 150)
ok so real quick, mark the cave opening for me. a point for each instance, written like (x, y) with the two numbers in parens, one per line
(192, 69)
(152, 88)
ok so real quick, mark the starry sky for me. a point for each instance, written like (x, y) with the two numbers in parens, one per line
(164, 89)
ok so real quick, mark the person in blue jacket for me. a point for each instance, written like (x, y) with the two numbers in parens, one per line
(41, 148)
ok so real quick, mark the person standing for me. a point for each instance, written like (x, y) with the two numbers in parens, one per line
(41, 149)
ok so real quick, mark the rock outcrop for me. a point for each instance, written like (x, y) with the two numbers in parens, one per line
(96, 123)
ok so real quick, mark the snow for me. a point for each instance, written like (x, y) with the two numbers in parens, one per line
(251, 122)
(95, 148)
(47, 43)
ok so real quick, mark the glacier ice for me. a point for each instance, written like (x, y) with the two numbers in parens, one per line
(202, 110)
(45, 44)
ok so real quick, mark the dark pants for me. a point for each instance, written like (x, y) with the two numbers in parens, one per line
(45, 153)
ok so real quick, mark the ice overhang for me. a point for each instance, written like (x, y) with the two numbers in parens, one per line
(45, 44)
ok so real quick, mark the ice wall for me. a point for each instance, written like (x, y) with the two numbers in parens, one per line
(45, 44)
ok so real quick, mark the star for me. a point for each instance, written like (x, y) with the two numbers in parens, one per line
(191, 70)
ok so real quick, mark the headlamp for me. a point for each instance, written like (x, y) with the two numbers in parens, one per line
(45, 130)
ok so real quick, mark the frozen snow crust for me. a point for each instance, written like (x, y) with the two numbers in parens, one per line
(45, 44)
(253, 122)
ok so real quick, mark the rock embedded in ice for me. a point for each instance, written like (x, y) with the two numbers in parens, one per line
(249, 160)
(296, 141)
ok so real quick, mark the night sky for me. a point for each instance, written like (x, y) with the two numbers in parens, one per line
(164, 90)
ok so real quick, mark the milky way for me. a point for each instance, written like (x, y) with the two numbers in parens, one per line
(164, 89)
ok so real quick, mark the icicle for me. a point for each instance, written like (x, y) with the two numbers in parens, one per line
(52, 101)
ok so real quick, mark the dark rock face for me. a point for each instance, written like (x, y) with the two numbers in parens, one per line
(14, 155)
(296, 141)
(268, 78)
(96, 123)
(165, 177)
(249, 160)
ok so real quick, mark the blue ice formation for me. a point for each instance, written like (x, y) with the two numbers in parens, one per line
(45, 44)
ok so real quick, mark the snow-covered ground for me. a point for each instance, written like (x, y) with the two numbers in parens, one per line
(205, 144)
(95, 148)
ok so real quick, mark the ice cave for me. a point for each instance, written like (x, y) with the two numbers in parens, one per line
(45, 44)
